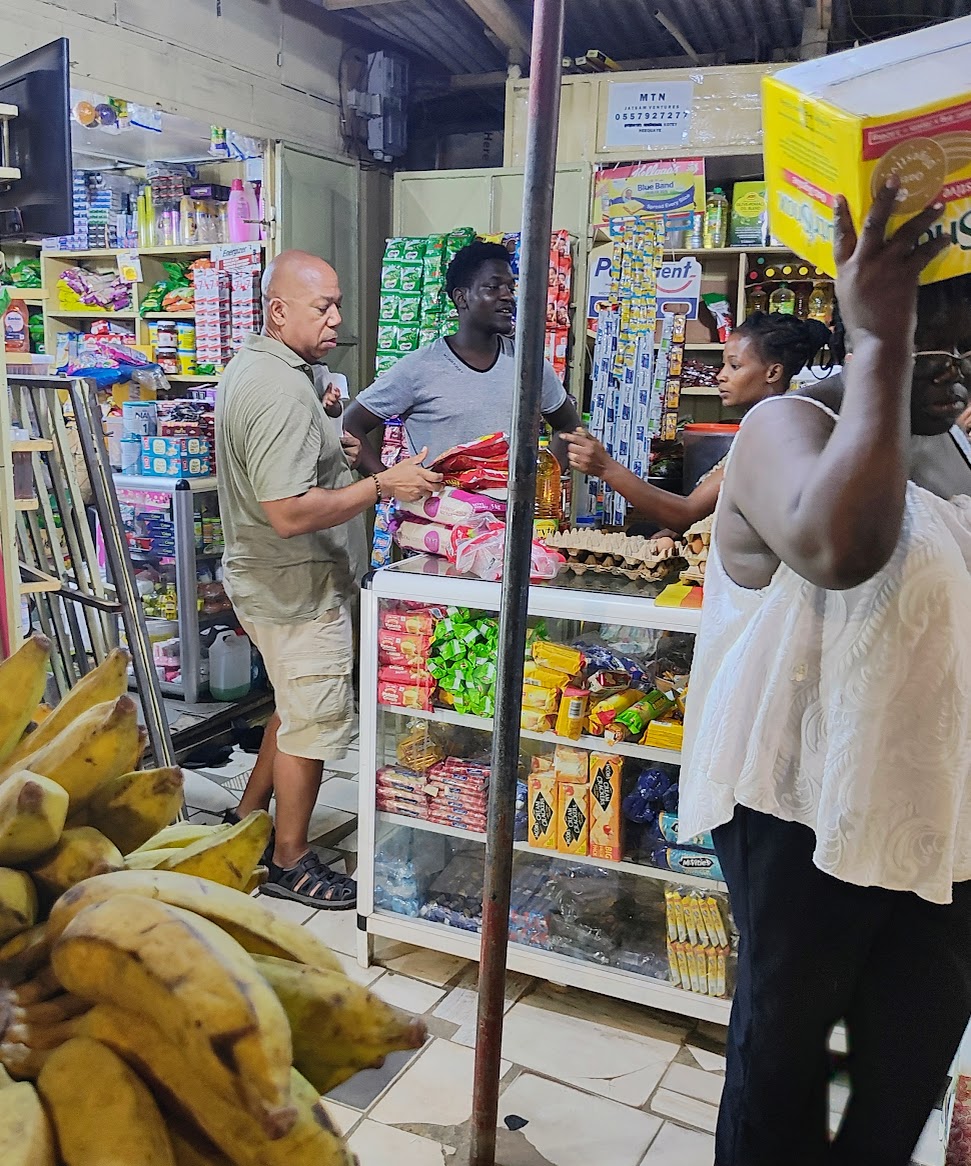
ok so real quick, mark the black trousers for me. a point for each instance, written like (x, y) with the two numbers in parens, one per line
(814, 950)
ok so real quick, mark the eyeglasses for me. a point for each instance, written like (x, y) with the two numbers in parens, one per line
(943, 368)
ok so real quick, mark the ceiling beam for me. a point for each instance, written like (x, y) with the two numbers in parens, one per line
(504, 25)
(351, 5)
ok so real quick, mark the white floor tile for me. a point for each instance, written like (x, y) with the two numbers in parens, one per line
(202, 793)
(338, 929)
(601, 1059)
(570, 1128)
(349, 843)
(381, 1145)
(340, 793)
(435, 1090)
(461, 1007)
(694, 1083)
(710, 1062)
(350, 764)
(675, 1146)
(323, 820)
(288, 908)
(354, 971)
(403, 992)
(619, 1014)
(432, 966)
(692, 1112)
(342, 1116)
(204, 818)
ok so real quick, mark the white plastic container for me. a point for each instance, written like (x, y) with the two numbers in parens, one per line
(244, 213)
(229, 667)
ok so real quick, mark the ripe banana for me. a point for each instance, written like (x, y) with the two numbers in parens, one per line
(106, 682)
(18, 903)
(23, 955)
(313, 1141)
(338, 1026)
(256, 880)
(23, 677)
(32, 814)
(43, 986)
(197, 984)
(229, 857)
(81, 852)
(26, 1138)
(255, 927)
(191, 1148)
(147, 859)
(102, 1112)
(179, 834)
(98, 745)
(131, 808)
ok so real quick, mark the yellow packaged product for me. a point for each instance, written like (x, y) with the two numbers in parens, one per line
(544, 700)
(673, 965)
(542, 811)
(711, 913)
(572, 817)
(544, 677)
(681, 951)
(701, 964)
(571, 764)
(721, 980)
(845, 123)
(572, 713)
(605, 816)
(694, 981)
(692, 919)
(664, 735)
(533, 721)
(608, 709)
(559, 656)
(675, 914)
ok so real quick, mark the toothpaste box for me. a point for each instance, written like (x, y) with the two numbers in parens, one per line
(843, 124)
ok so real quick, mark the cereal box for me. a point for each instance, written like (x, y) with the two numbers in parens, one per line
(844, 124)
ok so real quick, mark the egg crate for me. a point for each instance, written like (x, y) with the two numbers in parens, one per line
(697, 540)
(630, 556)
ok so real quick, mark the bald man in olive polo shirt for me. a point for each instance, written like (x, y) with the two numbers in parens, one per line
(295, 552)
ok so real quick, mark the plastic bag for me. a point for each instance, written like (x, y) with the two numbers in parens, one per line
(481, 554)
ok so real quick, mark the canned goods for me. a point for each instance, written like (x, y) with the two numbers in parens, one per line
(187, 363)
(186, 336)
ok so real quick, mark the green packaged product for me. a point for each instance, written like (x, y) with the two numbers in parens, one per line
(387, 336)
(405, 250)
(388, 308)
(385, 360)
(407, 338)
(750, 215)
(427, 335)
(409, 309)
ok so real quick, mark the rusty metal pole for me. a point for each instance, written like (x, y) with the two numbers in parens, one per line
(544, 108)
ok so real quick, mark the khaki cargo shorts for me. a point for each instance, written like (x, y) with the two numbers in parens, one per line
(310, 667)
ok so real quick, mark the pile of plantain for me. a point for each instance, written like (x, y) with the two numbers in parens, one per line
(152, 1011)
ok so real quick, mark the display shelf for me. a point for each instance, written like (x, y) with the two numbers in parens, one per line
(547, 965)
(193, 378)
(36, 582)
(706, 346)
(642, 870)
(591, 744)
(168, 315)
(92, 315)
(163, 485)
(178, 249)
(26, 504)
(32, 296)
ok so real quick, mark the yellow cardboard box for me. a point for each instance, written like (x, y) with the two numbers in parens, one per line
(605, 817)
(572, 817)
(541, 810)
(843, 124)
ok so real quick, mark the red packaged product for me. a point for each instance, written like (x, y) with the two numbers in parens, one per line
(412, 649)
(394, 674)
(408, 696)
(416, 623)
(493, 445)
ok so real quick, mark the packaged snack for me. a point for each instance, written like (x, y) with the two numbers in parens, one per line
(664, 735)
(404, 696)
(572, 817)
(697, 932)
(418, 623)
(544, 677)
(631, 724)
(395, 674)
(712, 916)
(453, 506)
(402, 647)
(572, 712)
(544, 700)
(605, 799)
(675, 915)
(571, 765)
(606, 711)
(542, 811)
(418, 750)
(668, 826)
(559, 656)
(681, 951)
(673, 969)
(533, 721)
(688, 862)
(700, 985)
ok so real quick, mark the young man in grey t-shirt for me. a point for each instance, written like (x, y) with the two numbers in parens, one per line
(462, 387)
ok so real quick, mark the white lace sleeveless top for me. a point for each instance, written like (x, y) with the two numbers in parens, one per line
(847, 711)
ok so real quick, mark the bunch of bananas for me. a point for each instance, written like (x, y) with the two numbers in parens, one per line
(152, 1012)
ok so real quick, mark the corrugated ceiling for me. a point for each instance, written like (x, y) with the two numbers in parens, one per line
(450, 37)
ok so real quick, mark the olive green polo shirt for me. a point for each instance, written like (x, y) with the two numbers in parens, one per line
(273, 441)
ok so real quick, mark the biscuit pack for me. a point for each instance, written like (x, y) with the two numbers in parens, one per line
(843, 124)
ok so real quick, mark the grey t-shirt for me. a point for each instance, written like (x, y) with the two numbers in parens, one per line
(443, 402)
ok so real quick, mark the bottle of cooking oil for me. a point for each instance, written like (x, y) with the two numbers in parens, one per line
(548, 510)
(783, 300)
(756, 300)
(716, 219)
(821, 302)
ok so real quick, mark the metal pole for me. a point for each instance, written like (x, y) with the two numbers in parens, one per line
(544, 108)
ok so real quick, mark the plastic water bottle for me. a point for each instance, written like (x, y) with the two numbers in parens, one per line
(244, 213)
(229, 667)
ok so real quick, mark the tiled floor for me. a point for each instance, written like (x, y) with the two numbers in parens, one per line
(587, 1081)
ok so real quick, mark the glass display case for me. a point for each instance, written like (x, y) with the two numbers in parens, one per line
(605, 896)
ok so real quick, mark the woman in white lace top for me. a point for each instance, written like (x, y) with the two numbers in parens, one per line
(828, 736)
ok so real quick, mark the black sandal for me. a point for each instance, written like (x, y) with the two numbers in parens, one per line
(312, 883)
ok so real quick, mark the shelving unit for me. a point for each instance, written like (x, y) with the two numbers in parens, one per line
(430, 581)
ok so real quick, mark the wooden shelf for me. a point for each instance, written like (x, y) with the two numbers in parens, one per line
(30, 295)
(101, 253)
(705, 346)
(26, 504)
(193, 378)
(32, 445)
(168, 315)
(38, 583)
